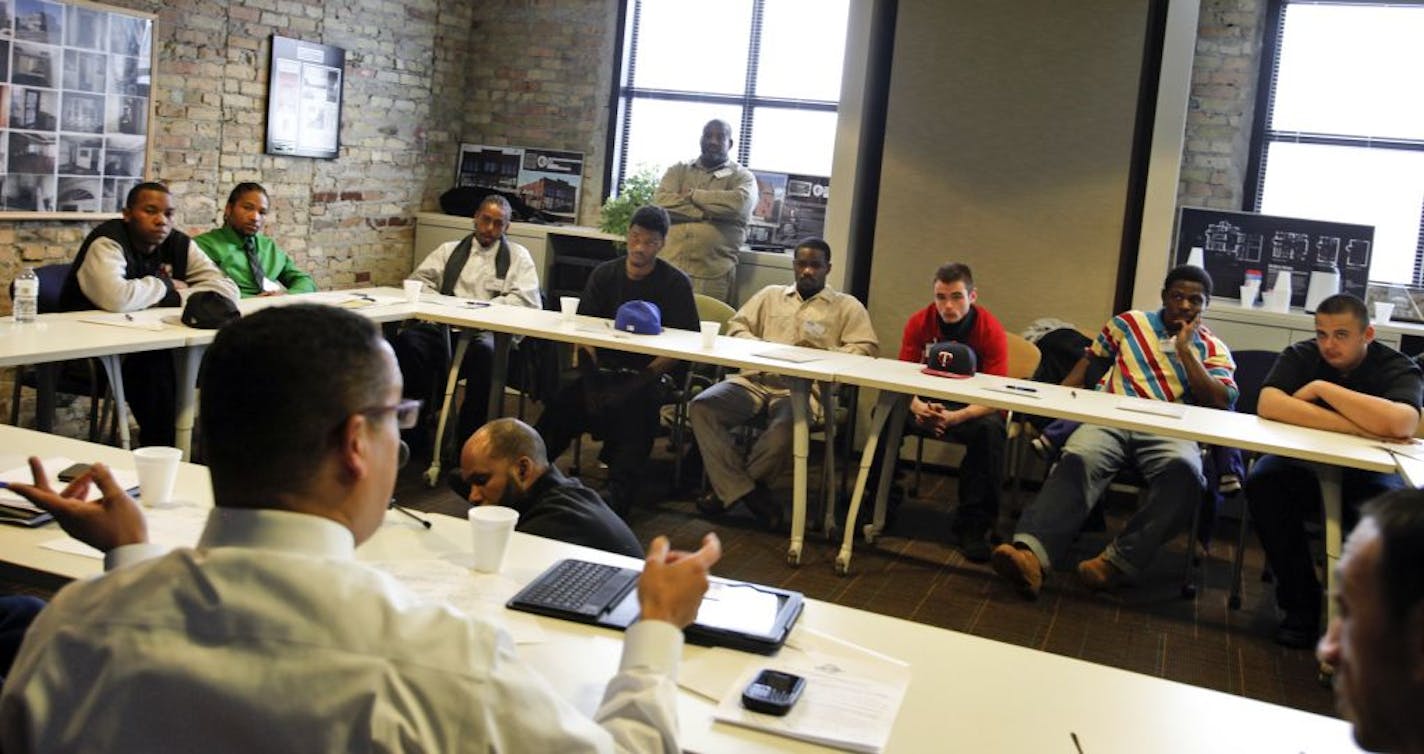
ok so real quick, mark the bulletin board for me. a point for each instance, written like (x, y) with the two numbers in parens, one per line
(76, 107)
(1234, 242)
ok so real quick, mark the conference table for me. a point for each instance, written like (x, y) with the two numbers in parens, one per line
(964, 693)
(53, 338)
(801, 366)
(159, 328)
(898, 380)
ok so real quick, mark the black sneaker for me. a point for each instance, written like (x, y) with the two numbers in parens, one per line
(1298, 632)
(974, 546)
(710, 505)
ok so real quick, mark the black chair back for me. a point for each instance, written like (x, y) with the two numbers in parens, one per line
(1251, 370)
(52, 278)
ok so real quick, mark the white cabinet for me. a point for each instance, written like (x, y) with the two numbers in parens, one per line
(1258, 330)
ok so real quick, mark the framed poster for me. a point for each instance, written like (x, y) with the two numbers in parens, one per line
(76, 106)
(304, 98)
(537, 182)
(789, 208)
(1235, 242)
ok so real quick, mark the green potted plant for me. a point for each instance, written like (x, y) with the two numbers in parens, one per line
(637, 190)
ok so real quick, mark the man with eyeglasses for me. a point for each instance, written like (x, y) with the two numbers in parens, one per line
(269, 634)
(1165, 355)
(1342, 381)
(505, 463)
(483, 266)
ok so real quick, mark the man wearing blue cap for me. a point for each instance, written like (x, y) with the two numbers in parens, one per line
(618, 394)
(807, 313)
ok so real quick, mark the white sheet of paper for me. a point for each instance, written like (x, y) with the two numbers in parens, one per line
(272, 286)
(851, 699)
(792, 354)
(477, 594)
(176, 524)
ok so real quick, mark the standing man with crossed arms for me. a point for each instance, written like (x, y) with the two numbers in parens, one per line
(710, 202)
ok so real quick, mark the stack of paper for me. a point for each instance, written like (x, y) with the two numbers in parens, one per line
(851, 699)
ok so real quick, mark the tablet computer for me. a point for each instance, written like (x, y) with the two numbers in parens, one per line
(734, 614)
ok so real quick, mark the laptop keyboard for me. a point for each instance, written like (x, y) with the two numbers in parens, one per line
(580, 587)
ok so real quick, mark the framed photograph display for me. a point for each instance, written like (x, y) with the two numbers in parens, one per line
(545, 181)
(304, 99)
(76, 104)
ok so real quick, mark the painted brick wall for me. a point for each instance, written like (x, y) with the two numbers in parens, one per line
(349, 220)
(540, 77)
(1221, 111)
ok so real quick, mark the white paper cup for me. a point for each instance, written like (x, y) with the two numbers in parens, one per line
(709, 334)
(1383, 311)
(412, 290)
(1277, 300)
(1248, 294)
(569, 306)
(492, 526)
(157, 470)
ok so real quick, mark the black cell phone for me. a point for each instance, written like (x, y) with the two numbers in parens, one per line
(773, 692)
(73, 471)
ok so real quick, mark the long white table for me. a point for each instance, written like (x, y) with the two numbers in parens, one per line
(60, 337)
(897, 380)
(736, 353)
(966, 693)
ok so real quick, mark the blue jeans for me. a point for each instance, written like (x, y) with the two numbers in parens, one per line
(1091, 458)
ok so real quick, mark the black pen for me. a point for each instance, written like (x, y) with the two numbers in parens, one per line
(1076, 745)
(1022, 389)
(128, 317)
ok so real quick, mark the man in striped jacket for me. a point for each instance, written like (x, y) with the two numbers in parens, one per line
(1165, 355)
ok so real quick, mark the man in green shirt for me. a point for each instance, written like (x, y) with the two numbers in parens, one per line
(251, 259)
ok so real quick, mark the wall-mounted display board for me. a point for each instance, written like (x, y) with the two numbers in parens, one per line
(789, 208)
(546, 181)
(304, 99)
(76, 104)
(1234, 242)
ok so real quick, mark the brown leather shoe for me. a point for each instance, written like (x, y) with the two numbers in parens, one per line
(1100, 575)
(1019, 567)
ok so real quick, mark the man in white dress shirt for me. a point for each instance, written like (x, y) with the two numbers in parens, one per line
(269, 636)
(484, 266)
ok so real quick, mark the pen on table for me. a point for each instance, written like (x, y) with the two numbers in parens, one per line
(128, 317)
(1076, 745)
(1072, 393)
(1022, 389)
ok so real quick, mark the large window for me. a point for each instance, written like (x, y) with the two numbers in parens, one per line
(1343, 127)
(771, 68)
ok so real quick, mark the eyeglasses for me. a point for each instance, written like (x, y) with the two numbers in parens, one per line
(407, 412)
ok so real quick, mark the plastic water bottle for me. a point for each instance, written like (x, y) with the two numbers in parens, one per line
(27, 296)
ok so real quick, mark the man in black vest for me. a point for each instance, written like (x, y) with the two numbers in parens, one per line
(505, 463)
(483, 266)
(135, 263)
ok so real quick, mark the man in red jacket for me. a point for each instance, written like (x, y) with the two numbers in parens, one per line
(955, 316)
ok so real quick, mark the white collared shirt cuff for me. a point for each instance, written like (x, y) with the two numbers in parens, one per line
(129, 554)
(652, 645)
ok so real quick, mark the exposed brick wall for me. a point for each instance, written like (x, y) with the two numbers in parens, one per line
(349, 220)
(1221, 110)
(540, 77)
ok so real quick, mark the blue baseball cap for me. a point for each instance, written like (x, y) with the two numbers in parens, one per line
(639, 317)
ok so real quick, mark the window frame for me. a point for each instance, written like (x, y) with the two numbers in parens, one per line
(624, 95)
(1263, 136)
